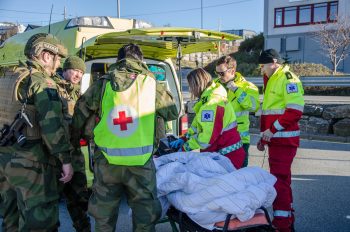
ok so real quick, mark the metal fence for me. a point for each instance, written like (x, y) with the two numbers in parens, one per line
(332, 81)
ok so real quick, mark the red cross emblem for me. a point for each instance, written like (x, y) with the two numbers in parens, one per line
(122, 120)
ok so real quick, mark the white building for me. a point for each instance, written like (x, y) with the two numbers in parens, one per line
(5, 27)
(289, 26)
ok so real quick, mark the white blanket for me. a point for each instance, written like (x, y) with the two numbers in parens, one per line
(206, 187)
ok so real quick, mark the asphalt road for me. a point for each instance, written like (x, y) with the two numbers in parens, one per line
(321, 185)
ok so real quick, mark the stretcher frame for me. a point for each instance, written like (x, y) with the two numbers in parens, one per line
(186, 224)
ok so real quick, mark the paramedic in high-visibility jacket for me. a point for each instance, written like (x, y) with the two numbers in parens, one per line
(282, 108)
(127, 101)
(214, 128)
(242, 94)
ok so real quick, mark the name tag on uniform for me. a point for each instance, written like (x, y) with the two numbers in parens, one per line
(207, 115)
(292, 88)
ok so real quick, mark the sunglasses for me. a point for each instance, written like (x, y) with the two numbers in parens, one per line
(222, 73)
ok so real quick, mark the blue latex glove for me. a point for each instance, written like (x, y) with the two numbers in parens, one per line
(177, 143)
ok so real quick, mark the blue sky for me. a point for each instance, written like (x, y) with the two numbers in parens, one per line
(229, 14)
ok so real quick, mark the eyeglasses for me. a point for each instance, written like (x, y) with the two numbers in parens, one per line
(222, 73)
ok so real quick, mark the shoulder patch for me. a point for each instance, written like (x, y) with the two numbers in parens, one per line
(207, 116)
(292, 88)
(289, 75)
(53, 94)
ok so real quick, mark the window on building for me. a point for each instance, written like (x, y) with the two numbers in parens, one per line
(278, 17)
(333, 11)
(306, 14)
(290, 16)
(320, 12)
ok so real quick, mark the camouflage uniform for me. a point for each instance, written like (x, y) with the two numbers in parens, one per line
(75, 192)
(31, 171)
(8, 205)
(137, 182)
(2, 206)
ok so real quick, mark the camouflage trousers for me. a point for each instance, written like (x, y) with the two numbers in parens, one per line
(2, 206)
(77, 194)
(30, 194)
(138, 183)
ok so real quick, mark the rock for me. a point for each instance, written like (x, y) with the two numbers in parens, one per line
(313, 110)
(303, 123)
(317, 126)
(254, 121)
(337, 112)
(342, 127)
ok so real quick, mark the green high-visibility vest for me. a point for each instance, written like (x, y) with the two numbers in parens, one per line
(125, 133)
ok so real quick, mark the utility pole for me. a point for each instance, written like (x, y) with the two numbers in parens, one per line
(202, 28)
(219, 43)
(118, 8)
(64, 13)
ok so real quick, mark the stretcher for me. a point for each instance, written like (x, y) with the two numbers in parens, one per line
(260, 222)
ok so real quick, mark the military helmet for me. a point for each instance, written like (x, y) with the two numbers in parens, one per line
(42, 41)
(74, 62)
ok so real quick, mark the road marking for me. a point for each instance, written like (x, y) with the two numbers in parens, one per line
(294, 178)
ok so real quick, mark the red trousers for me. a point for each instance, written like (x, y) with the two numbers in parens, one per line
(237, 157)
(280, 160)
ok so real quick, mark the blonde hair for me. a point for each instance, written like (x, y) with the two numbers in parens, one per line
(198, 80)
(228, 60)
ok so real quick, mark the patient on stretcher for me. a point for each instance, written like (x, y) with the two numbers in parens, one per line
(207, 187)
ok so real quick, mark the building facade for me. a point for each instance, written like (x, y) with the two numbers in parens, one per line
(8, 29)
(244, 33)
(289, 27)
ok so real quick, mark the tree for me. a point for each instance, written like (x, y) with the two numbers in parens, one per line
(334, 39)
(247, 56)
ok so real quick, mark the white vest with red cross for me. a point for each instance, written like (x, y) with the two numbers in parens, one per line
(125, 133)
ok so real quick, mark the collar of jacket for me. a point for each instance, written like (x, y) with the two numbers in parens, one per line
(279, 71)
(36, 64)
(67, 85)
(120, 73)
(238, 77)
(207, 94)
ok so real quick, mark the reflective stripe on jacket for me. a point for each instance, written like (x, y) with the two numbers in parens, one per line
(125, 133)
(214, 127)
(282, 107)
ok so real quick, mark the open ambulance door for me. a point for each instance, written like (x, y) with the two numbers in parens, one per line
(160, 45)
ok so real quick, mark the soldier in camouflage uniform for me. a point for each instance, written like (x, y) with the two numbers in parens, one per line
(75, 192)
(31, 170)
(126, 166)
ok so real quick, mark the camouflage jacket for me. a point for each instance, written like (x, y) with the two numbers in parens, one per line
(118, 75)
(69, 94)
(43, 94)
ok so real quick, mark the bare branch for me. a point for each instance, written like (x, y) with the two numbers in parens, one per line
(334, 39)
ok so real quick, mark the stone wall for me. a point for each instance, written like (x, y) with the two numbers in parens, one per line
(323, 122)
(319, 122)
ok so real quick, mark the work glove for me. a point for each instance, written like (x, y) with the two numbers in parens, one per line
(267, 135)
(177, 143)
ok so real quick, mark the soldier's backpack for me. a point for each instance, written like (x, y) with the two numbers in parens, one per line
(10, 105)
